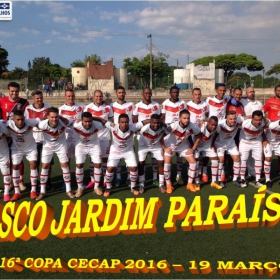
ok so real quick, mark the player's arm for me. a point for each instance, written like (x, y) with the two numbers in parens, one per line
(97, 119)
(197, 140)
(265, 142)
(166, 149)
(64, 120)
(213, 141)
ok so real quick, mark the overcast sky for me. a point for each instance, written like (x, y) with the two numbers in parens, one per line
(67, 31)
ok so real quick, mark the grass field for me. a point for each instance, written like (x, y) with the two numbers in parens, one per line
(247, 244)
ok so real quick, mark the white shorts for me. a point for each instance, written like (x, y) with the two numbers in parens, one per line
(270, 148)
(17, 156)
(81, 153)
(105, 148)
(181, 150)
(156, 153)
(47, 154)
(231, 149)
(115, 156)
(206, 152)
(245, 146)
(5, 162)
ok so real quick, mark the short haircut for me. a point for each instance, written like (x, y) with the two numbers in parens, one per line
(86, 115)
(184, 111)
(18, 113)
(97, 90)
(230, 113)
(173, 87)
(120, 87)
(220, 85)
(238, 88)
(276, 87)
(147, 88)
(123, 116)
(36, 92)
(155, 116)
(257, 113)
(13, 84)
(214, 118)
(70, 90)
(53, 110)
(196, 88)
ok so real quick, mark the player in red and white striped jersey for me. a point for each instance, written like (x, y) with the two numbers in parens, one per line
(177, 141)
(24, 144)
(252, 139)
(71, 111)
(121, 107)
(143, 110)
(170, 113)
(225, 142)
(54, 128)
(98, 108)
(38, 110)
(149, 142)
(218, 103)
(88, 145)
(122, 148)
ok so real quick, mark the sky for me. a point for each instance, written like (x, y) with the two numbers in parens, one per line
(67, 31)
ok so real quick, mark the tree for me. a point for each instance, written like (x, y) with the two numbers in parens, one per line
(29, 65)
(78, 63)
(4, 62)
(17, 73)
(275, 69)
(139, 69)
(232, 62)
(96, 59)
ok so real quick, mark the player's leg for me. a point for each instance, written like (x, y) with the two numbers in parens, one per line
(96, 158)
(105, 149)
(179, 169)
(131, 163)
(236, 168)
(167, 171)
(155, 172)
(267, 163)
(157, 153)
(191, 171)
(244, 149)
(16, 160)
(257, 155)
(79, 173)
(32, 156)
(5, 169)
(111, 166)
(142, 155)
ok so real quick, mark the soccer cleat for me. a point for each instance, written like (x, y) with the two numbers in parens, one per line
(179, 179)
(258, 184)
(156, 183)
(216, 185)
(222, 184)
(269, 184)
(162, 188)
(33, 195)
(15, 197)
(98, 191)
(90, 185)
(141, 188)
(79, 192)
(6, 198)
(243, 184)
(236, 183)
(204, 178)
(22, 187)
(40, 196)
(169, 188)
(197, 186)
(191, 187)
(70, 194)
(134, 191)
(107, 193)
(118, 182)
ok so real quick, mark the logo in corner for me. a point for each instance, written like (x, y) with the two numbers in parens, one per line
(5, 10)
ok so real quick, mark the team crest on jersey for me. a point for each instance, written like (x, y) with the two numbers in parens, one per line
(181, 107)
(18, 106)
(79, 109)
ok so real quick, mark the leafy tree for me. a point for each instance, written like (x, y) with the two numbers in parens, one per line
(139, 69)
(4, 62)
(275, 69)
(96, 59)
(78, 63)
(17, 73)
(232, 62)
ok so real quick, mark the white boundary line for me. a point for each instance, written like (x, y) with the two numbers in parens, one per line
(268, 191)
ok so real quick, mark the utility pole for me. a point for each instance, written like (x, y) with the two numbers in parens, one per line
(151, 61)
